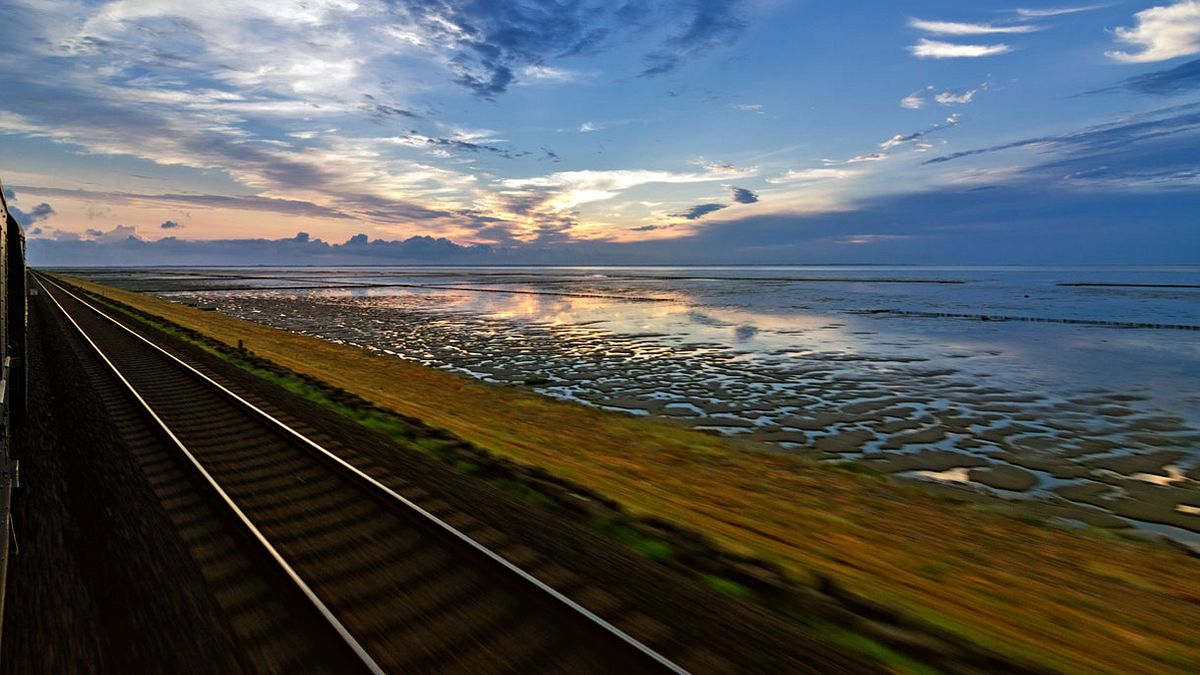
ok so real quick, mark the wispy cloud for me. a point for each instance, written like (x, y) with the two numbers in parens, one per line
(960, 97)
(901, 139)
(587, 127)
(1026, 13)
(1161, 33)
(915, 100)
(749, 107)
(288, 207)
(959, 28)
(1149, 150)
(548, 75)
(723, 168)
(814, 175)
(936, 49)
(920, 98)
(1178, 80)
(707, 25)
(862, 239)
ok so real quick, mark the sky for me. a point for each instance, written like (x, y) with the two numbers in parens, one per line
(602, 131)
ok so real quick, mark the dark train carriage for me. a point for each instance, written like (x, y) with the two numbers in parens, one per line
(12, 377)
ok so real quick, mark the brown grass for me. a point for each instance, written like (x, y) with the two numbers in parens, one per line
(1079, 602)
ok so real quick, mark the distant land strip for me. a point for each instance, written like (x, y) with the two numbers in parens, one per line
(534, 277)
(629, 298)
(1032, 319)
(880, 280)
(1120, 285)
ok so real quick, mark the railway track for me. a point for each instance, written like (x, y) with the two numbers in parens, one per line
(391, 586)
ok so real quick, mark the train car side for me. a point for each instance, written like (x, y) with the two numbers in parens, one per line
(12, 377)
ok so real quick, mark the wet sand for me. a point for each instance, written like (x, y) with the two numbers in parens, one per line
(894, 413)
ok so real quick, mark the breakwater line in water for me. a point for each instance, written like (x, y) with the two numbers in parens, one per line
(1031, 319)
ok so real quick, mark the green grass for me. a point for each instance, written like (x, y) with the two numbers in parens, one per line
(872, 648)
(648, 546)
(728, 586)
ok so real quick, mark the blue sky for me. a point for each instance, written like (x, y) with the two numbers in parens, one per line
(593, 131)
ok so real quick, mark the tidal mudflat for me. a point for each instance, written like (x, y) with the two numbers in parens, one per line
(1013, 383)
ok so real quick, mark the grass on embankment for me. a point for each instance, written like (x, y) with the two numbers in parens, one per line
(1080, 602)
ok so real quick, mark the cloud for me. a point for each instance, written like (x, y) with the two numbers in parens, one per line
(26, 218)
(956, 28)
(55, 234)
(960, 97)
(104, 121)
(549, 75)
(1018, 223)
(901, 139)
(934, 49)
(870, 238)
(462, 142)
(381, 112)
(1161, 33)
(120, 246)
(722, 168)
(918, 100)
(1178, 80)
(588, 127)
(699, 211)
(743, 196)
(568, 189)
(117, 233)
(1025, 223)
(280, 103)
(170, 225)
(1150, 151)
(749, 107)
(869, 157)
(485, 45)
(1059, 11)
(250, 203)
(1154, 124)
(813, 175)
(710, 24)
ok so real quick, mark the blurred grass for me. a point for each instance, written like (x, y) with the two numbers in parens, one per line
(1021, 588)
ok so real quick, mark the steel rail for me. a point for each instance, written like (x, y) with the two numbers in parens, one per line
(365, 479)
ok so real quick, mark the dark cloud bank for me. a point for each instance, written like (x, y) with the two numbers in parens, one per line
(299, 250)
(1000, 224)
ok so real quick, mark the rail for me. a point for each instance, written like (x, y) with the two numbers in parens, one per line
(347, 470)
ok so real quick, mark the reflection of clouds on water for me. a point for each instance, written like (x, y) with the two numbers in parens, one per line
(743, 333)
(704, 319)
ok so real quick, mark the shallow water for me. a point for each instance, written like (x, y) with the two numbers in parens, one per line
(838, 362)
